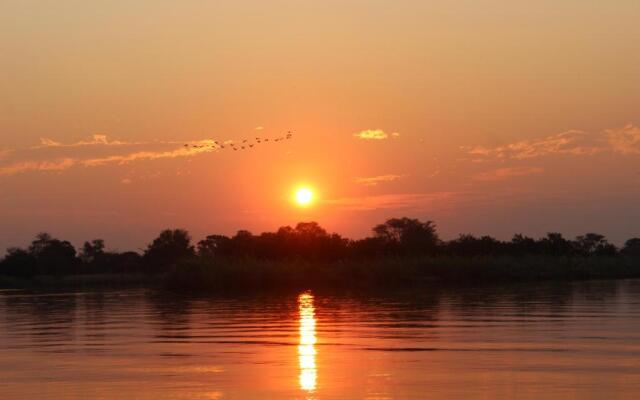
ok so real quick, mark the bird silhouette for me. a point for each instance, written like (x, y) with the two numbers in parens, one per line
(244, 144)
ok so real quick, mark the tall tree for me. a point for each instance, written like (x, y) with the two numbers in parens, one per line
(168, 248)
(408, 236)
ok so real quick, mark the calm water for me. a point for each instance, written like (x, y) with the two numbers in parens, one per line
(551, 341)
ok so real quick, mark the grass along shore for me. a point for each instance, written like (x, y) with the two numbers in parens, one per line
(81, 281)
(252, 274)
(249, 274)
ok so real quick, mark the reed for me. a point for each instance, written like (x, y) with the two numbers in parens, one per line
(246, 274)
(232, 274)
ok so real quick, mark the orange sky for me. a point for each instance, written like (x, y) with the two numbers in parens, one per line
(508, 117)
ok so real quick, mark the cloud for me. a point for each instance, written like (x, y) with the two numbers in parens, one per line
(505, 173)
(25, 166)
(4, 153)
(66, 163)
(143, 155)
(97, 139)
(44, 142)
(374, 180)
(258, 128)
(625, 141)
(126, 181)
(103, 153)
(572, 142)
(372, 134)
(392, 201)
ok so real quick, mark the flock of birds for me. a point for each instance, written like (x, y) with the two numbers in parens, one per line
(245, 144)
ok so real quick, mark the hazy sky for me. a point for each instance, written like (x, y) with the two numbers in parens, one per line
(489, 117)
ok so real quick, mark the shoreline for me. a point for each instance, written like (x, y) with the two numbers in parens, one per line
(247, 275)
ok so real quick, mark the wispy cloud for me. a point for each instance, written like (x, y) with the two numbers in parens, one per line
(375, 180)
(50, 155)
(4, 153)
(96, 140)
(572, 142)
(64, 163)
(624, 141)
(25, 166)
(143, 155)
(45, 142)
(505, 173)
(374, 134)
(392, 201)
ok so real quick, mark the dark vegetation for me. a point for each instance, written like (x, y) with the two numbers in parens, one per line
(401, 252)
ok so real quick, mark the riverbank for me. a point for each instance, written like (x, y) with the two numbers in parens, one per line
(263, 275)
(393, 272)
(81, 281)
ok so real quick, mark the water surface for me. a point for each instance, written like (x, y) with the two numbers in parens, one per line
(552, 341)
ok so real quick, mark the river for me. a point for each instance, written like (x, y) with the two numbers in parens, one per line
(527, 341)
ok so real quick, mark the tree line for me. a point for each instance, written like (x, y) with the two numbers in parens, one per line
(396, 238)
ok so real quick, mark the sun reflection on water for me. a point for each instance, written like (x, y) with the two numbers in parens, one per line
(306, 348)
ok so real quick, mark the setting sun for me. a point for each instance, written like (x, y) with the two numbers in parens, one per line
(304, 196)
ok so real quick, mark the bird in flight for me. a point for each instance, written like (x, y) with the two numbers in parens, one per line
(243, 144)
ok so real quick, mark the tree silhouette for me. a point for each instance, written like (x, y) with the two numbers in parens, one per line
(469, 246)
(369, 247)
(41, 241)
(18, 262)
(243, 244)
(408, 236)
(91, 251)
(523, 245)
(168, 248)
(632, 247)
(45, 255)
(594, 244)
(556, 245)
(308, 241)
(52, 256)
(214, 246)
(310, 230)
(57, 258)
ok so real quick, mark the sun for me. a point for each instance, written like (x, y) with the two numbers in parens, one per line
(303, 196)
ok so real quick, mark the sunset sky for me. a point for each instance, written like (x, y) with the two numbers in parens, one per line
(488, 117)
